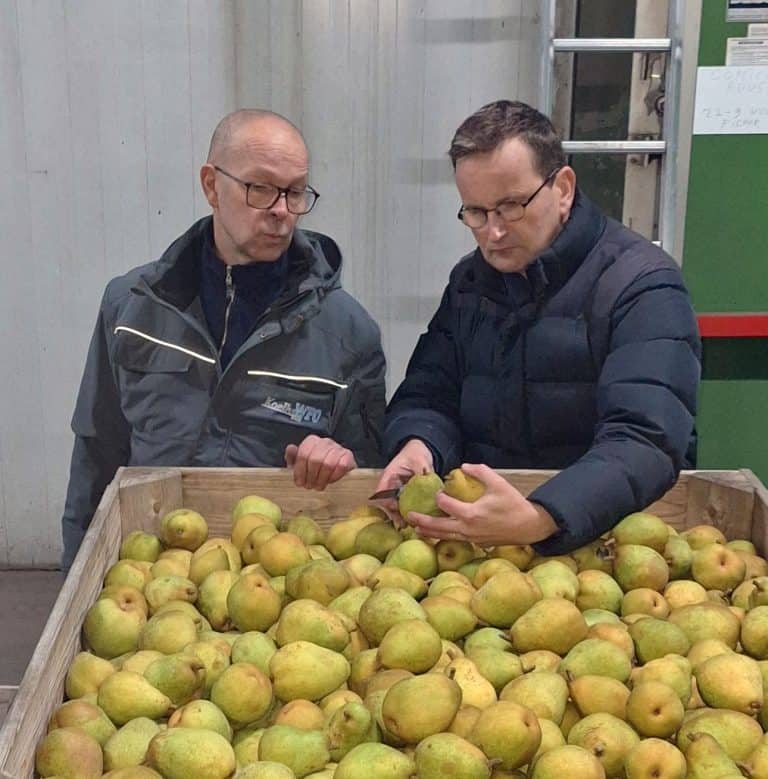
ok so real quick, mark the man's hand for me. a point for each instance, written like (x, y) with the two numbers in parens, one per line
(414, 457)
(501, 516)
(318, 462)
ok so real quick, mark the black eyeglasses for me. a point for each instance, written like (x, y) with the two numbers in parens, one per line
(297, 201)
(508, 210)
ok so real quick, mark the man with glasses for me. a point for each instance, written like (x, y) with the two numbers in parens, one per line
(564, 341)
(238, 347)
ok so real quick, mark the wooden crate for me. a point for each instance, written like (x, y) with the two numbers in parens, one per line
(734, 501)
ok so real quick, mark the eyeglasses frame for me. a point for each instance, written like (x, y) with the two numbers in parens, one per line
(281, 191)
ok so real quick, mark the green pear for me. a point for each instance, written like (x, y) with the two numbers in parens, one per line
(596, 656)
(126, 695)
(374, 761)
(684, 592)
(85, 674)
(252, 604)
(181, 753)
(642, 528)
(378, 539)
(555, 624)
(700, 536)
(488, 568)
(545, 693)
(716, 567)
(113, 628)
(673, 670)
(282, 552)
(644, 600)
(307, 620)
(168, 588)
(609, 738)
(266, 769)
(256, 504)
(738, 734)
(169, 566)
(412, 644)
(383, 608)
(139, 545)
(556, 580)
(303, 751)
(404, 712)
(225, 545)
(418, 494)
(305, 670)
(341, 536)
(593, 693)
(129, 573)
(655, 758)
(84, 716)
(731, 681)
(348, 726)
(350, 601)
(245, 742)
(707, 620)
(551, 737)
(499, 667)
(706, 759)
(303, 526)
(568, 760)
(243, 693)
(678, 555)
(245, 524)
(183, 529)
(754, 633)
(507, 733)
(416, 556)
(476, 690)
(360, 567)
(446, 754)
(202, 564)
(320, 580)
(635, 565)
(201, 623)
(214, 655)
(201, 714)
(617, 633)
(212, 598)
(301, 714)
(180, 676)
(168, 632)
(654, 710)
(250, 550)
(598, 590)
(471, 568)
(128, 746)
(453, 553)
(138, 662)
(447, 580)
(504, 597)
(451, 619)
(487, 637)
(600, 616)
(254, 647)
(69, 752)
(655, 638)
(397, 578)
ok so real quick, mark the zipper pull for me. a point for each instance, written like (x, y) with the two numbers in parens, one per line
(229, 298)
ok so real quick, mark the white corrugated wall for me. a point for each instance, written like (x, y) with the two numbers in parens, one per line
(106, 110)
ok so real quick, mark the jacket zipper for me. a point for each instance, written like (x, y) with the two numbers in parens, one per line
(230, 297)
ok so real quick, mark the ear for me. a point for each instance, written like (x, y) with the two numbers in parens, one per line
(208, 183)
(564, 186)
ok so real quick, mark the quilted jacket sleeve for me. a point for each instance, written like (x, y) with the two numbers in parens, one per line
(646, 400)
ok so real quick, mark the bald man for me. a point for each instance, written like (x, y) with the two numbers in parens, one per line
(238, 347)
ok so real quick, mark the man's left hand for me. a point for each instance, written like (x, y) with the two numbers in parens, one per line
(318, 462)
(500, 516)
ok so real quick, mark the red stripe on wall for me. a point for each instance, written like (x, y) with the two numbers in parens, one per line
(733, 325)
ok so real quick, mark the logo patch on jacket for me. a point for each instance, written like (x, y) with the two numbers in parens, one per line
(301, 413)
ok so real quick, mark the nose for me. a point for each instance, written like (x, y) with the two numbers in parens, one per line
(497, 227)
(280, 206)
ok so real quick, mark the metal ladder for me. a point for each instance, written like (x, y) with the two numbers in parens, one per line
(665, 147)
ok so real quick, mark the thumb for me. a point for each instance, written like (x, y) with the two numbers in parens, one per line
(290, 454)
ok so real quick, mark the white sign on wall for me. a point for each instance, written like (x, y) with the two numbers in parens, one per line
(731, 100)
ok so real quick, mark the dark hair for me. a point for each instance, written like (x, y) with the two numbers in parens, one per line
(497, 122)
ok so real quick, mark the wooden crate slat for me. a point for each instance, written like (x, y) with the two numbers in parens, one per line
(724, 501)
(759, 535)
(7, 693)
(145, 497)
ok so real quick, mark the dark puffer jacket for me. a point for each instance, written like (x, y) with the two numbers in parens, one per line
(589, 365)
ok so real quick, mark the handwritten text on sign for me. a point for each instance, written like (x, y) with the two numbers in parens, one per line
(731, 100)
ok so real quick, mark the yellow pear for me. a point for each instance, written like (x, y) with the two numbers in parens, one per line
(183, 529)
(307, 620)
(609, 738)
(593, 693)
(139, 545)
(212, 598)
(463, 487)
(305, 670)
(555, 624)
(303, 751)
(282, 552)
(168, 632)
(169, 588)
(730, 681)
(245, 523)
(383, 608)
(301, 714)
(128, 746)
(390, 763)
(179, 676)
(412, 644)
(341, 536)
(642, 528)
(508, 733)
(126, 695)
(451, 619)
(377, 539)
(654, 710)
(476, 690)
(84, 716)
(655, 758)
(446, 754)
(252, 604)
(85, 674)
(113, 628)
(568, 760)
(505, 597)
(69, 752)
(545, 693)
(256, 504)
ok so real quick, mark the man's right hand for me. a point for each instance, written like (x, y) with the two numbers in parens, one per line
(414, 457)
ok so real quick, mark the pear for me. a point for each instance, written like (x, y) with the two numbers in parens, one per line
(254, 647)
(215, 657)
(451, 619)
(707, 620)
(133, 772)
(568, 760)
(128, 746)
(464, 721)
(126, 695)
(252, 604)
(181, 753)
(754, 633)
(616, 633)
(243, 693)
(383, 680)
(129, 573)
(476, 690)
(755, 566)
(487, 637)
(446, 754)
(69, 752)
(673, 670)
(169, 588)
(250, 550)
(113, 628)
(598, 590)
(700, 536)
(593, 693)
(644, 600)
(507, 733)
(607, 737)
(453, 553)
(413, 645)
(545, 693)
(245, 742)
(570, 718)
(307, 620)
(362, 667)
(341, 536)
(348, 726)
(738, 734)
(282, 552)
(684, 592)
(123, 594)
(654, 710)
(397, 578)
(168, 632)
(266, 769)
(305, 670)
(210, 560)
(756, 765)
(245, 524)
(678, 555)
(350, 601)
(487, 568)
(636, 566)
(555, 624)
(716, 567)
(556, 580)
(551, 737)
(706, 759)
(377, 539)
(654, 758)
(183, 529)
(656, 637)
(256, 504)
(519, 555)
(201, 714)
(642, 528)
(374, 761)
(212, 598)
(169, 566)
(405, 715)
(385, 607)
(138, 662)
(85, 674)
(499, 667)
(201, 623)
(418, 494)
(706, 648)
(303, 751)
(139, 545)
(179, 676)
(303, 526)
(596, 656)
(447, 580)
(320, 580)
(335, 700)
(360, 567)
(301, 714)
(416, 556)
(463, 487)
(540, 660)
(504, 597)
(84, 716)
(731, 681)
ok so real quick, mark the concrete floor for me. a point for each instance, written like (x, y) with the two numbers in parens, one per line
(26, 599)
